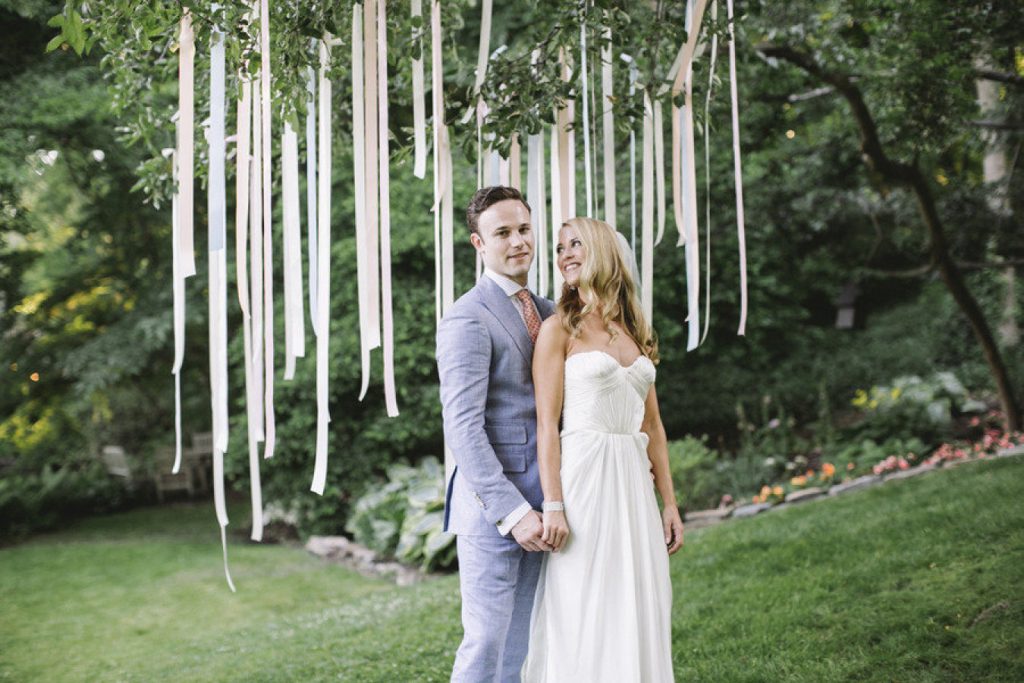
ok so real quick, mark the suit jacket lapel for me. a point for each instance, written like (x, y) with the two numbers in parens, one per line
(498, 303)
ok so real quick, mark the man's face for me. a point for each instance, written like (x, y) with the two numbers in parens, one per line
(505, 239)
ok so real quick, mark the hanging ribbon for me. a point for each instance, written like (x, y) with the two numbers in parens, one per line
(608, 128)
(515, 163)
(359, 143)
(588, 180)
(256, 255)
(185, 143)
(567, 145)
(253, 368)
(647, 216)
(294, 327)
(217, 267)
(557, 212)
(178, 297)
(311, 191)
(659, 167)
(483, 55)
(371, 99)
(538, 217)
(419, 124)
(268, 242)
(632, 158)
(443, 210)
(738, 174)
(384, 157)
(323, 273)
(707, 176)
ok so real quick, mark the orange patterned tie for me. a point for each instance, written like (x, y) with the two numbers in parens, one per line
(530, 314)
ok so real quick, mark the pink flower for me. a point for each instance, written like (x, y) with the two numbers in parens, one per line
(904, 464)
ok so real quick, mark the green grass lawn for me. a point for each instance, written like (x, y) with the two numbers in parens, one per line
(916, 580)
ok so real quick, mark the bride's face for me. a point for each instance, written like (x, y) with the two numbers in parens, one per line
(571, 254)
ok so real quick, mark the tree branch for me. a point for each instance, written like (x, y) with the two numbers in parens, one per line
(999, 76)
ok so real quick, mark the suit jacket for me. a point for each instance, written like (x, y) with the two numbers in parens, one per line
(484, 362)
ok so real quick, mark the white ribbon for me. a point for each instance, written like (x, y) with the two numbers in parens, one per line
(557, 212)
(647, 217)
(256, 272)
(707, 177)
(311, 191)
(659, 167)
(388, 341)
(608, 128)
(443, 210)
(217, 266)
(738, 173)
(372, 170)
(483, 55)
(294, 328)
(515, 164)
(359, 144)
(632, 160)
(584, 77)
(178, 297)
(323, 416)
(567, 146)
(185, 143)
(268, 233)
(419, 124)
(538, 217)
(689, 191)
(254, 366)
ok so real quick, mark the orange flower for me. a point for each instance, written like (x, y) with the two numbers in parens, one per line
(809, 473)
(828, 469)
(849, 466)
(798, 481)
(777, 491)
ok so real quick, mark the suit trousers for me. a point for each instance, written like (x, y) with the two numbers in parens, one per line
(497, 580)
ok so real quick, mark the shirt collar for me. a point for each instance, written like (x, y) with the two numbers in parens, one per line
(510, 287)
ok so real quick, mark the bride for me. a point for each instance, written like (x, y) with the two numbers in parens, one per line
(603, 604)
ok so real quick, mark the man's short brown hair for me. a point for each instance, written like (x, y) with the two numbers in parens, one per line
(485, 198)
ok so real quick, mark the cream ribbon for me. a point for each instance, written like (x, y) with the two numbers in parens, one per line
(738, 174)
(647, 217)
(419, 124)
(371, 99)
(217, 267)
(384, 157)
(515, 170)
(366, 72)
(268, 232)
(311, 191)
(294, 327)
(483, 55)
(608, 128)
(323, 245)
(566, 147)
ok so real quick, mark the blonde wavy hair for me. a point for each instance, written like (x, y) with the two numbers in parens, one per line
(606, 282)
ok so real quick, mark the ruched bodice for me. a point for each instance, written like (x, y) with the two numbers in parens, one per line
(601, 395)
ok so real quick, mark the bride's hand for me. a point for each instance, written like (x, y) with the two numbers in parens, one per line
(673, 525)
(556, 529)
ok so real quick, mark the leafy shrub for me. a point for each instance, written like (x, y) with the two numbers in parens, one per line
(404, 517)
(39, 501)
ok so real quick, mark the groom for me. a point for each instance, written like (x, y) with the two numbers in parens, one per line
(484, 359)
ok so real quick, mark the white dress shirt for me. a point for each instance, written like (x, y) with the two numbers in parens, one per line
(510, 287)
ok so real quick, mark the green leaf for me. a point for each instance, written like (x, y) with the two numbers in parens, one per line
(55, 43)
(74, 32)
(56, 21)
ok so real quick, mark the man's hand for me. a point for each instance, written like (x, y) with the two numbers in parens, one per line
(528, 532)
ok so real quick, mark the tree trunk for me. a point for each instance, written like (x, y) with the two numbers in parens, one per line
(911, 176)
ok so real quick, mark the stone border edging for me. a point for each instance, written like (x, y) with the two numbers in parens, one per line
(700, 519)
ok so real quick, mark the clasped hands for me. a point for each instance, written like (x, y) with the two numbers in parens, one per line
(542, 533)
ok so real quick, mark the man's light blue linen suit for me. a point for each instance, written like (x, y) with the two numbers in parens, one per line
(484, 359)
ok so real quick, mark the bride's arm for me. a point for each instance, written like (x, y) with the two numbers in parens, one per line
(657, 452)
(548, 375)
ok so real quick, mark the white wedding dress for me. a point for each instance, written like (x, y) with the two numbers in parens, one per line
(603, 603)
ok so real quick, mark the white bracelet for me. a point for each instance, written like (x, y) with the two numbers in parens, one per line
(553, 506)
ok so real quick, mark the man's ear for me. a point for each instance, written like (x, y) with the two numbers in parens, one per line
(476, 241)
